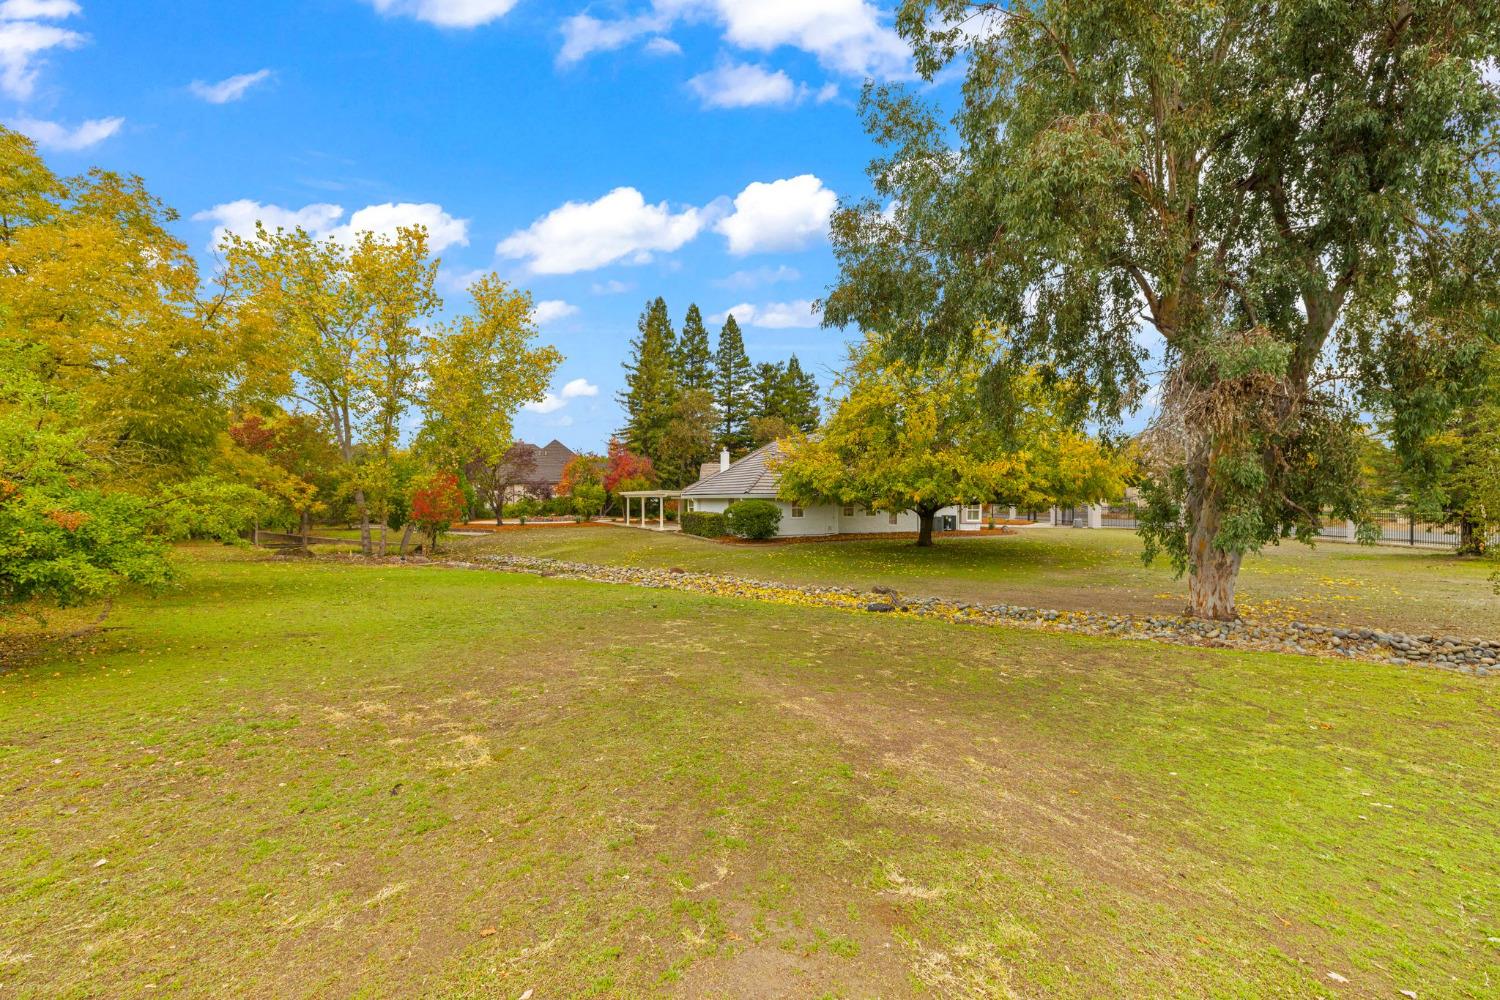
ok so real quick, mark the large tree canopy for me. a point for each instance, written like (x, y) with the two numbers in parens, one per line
(1290, 195)
(114, 382)
(914, 437)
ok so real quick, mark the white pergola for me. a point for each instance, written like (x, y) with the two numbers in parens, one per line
(660, 496)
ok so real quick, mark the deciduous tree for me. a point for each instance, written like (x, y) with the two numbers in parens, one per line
(909, 437)
(1276, 188)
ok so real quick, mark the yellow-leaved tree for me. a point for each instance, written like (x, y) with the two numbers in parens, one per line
(114, 385)
(905, 437)
(343, 323)
(480, 369)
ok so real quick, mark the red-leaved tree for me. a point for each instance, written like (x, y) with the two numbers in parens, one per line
(625, 470)
(436, 502)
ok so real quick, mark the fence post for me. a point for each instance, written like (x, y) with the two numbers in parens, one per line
(1350, 532)
(1052, 516)
(1096, 515)
(1411, 529)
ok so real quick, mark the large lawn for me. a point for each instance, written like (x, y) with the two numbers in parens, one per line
(1073, 569)
(304, 779)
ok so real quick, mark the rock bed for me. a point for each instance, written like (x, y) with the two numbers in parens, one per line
(1477, 657)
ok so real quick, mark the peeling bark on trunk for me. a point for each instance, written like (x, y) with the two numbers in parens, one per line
(405, 539)
(1214, 572)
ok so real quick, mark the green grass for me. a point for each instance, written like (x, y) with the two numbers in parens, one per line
(1418, 591)
(315, 779)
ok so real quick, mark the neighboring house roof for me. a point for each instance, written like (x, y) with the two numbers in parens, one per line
(751, 476)
(547, 462)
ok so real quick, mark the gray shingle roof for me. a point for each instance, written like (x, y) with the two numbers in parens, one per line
(749, 477)
(547, 463)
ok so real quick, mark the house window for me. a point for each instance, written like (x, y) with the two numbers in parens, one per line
(796, 511)
(690, 506)
(972, 513)
(894, 517)
(848, 510)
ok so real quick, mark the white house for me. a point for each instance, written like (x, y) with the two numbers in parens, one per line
(752, 478)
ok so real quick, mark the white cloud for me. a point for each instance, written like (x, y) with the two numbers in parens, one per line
(759, 276)
(549, 403)
(584, 35)
(548, 310)
(827, 92)
(799, 314)
(662, 46)
(611, 287)
(582, 236)
(846, 36)
(782, 215)
(231, 89)
(30, 10)
(23, 38)
(447, 13)
(552, 402)
(744, 85)
(443, 230)
(321, 220)
(579, 387)
(54, 136)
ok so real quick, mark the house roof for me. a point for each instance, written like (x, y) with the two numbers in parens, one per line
(547, 462)
(751, 476)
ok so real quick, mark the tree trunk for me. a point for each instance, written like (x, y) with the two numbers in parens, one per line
(383, 549)
(924, 532)
(1470, 542)
(405, 538)
(364, 520)
(306, 528)
(1214, 572)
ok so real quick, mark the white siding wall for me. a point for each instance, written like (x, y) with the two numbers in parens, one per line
(830, 519)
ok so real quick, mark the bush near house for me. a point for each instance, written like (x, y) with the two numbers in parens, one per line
(753, 519)
(707, 524)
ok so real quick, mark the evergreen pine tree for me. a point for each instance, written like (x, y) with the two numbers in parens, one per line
(766, 390)
(798, 396)
(651, 387)
(695, 362)
(732, 387)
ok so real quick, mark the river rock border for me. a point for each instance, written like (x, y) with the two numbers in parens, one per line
(1476, 657)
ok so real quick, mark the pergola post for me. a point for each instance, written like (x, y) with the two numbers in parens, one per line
(661, 513)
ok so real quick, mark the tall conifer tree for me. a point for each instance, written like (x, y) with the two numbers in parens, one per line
(798, 396)
(732, 387)
(651, 387)
(766, 390)
(695, 362)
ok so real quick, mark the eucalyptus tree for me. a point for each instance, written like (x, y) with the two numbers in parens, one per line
(1291, 196)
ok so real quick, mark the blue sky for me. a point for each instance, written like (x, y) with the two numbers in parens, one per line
(596, 154)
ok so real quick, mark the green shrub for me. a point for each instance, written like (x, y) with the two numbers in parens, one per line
(704, 523)
(754, 519)
(588, 500)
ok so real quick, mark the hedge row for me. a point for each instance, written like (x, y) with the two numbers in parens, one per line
(704, 523)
